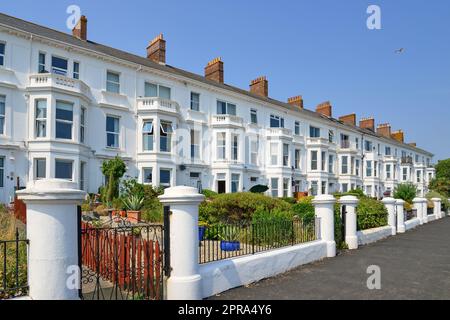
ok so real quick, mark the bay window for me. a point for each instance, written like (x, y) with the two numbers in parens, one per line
(297, 158)
(388, 171)
(323, 160)
(254, 146)
(368, 168)
(286, 187)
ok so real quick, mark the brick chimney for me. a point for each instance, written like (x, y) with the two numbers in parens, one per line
(413, 144)
(296, 101)
(367, 123)
(156, 50)
(214, 70)
(260, 86)
(325, 108)
(384, 130)
(80, 30)
(349, 119)
(398, 135)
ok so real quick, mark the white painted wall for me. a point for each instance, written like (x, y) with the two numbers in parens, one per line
(413, 223)
(373, 235)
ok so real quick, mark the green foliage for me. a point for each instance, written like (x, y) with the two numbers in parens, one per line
(338, 235)
(229, 233)
(259, 189)
(209, 194)
(238, 207)
(118, 204)
(444, 200)
(304, 209)
(152, 210)
(114, 169)
(440, 185)
(443, 169)
(289, 200)
(134, 202)
(406, 192)
(131, 187)
(371, 213)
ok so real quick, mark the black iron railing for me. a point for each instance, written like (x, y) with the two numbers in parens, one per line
(226, 241)
(410, 214)
(13, 267)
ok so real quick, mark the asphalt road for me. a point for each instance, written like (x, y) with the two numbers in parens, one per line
(413, 265)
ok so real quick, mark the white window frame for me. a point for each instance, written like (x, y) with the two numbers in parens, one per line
(3, 116)
(330, 163)
(117, 134)
(297, 128)
(253, 116)
(297, 159)
(195, 105)
(234, 147)
(314, 162)
(235, 181)
(344, 165)
(221, 148)
(170, 177)
(43, 65)
(144, 177)
(286, 182)
(228, 106)
(76, 74)
(166, 133)
(388, 171)
(286, 155)
(148, 132)
(315, 130)
(323, 161)
(82, 175)
(35, 163)
(274, 190)
(3, 55)
(63, 120)
(66, 161)
(158, 90)
(38, 121)
(113, 83)
(195, 144)
(83, 112)
(254, 146)
(369, 169)
(278, 119)
(273, 153)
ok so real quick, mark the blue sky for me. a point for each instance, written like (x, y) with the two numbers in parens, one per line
(320, 49)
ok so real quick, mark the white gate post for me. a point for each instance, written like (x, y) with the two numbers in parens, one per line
(350, 203)
(184, 282)
(52, 230)
(425, 210)
(324, 208)
(401, 228)
(419, 207)
(389, 203)
(437, 207)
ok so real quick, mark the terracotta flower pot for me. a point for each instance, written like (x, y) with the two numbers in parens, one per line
(123, 213)
(134, 216)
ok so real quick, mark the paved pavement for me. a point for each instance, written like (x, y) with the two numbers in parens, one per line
(414, 265)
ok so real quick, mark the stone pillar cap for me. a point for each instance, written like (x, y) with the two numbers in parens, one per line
(51, 189)
(436, 199)
(181, 194)
(400, 201)
(349, 200)
(388, 200)
(419, 200)
(323, 199)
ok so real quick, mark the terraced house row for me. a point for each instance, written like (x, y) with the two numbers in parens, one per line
(67, 104)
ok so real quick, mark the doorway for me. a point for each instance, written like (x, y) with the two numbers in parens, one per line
(221, 186)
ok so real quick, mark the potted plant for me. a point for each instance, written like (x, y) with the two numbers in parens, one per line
(201, 230)
(230, 239)
(134, 205)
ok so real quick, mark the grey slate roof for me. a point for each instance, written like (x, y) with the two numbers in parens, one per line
(45, 32)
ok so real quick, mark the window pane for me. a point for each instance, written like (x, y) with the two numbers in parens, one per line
(195, 101)
(148, 127)
(63, 130)
(221, 107)
(148, 175)
(41, 109)
(2, 170)
(40, 168)
(112, 87)
(41, 67)
(164, 176)
(63, 170)
(2, 105)
(113, 77)
(151, 90)
(112, 140)
(2, 48)
(232, 109)
(64, 111)
(164, 92)
(59, 65)
(112, 124)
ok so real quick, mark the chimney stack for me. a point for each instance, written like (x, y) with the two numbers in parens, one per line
(367, 123)
(296, 101)
(325, 109)
(156, 50)
(398, 135)
(214, 70)
(384, 130)
(260, 87)
(349, 119)
(80, 30)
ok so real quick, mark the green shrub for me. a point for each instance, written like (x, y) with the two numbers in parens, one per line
(371, 213)
(131, 187)
(338, 235)
(406, 192)
(289, 200)
(304, 209)
(209, 194)
(238, 207)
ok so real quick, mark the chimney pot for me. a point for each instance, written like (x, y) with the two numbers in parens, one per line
(214, 70)
(349, 119)
(296, 101)
(325, 109)
(80, 30)
(398, 135)
(260, 86)
(367, 123)
(156, 50)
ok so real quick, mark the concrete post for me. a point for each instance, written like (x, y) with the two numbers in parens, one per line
(425, 210)
(389, 203)
(418, 205)
(324, 208)
(52, 231)
(437, 207)
(350, 203)
(185, 280)
(401, 228)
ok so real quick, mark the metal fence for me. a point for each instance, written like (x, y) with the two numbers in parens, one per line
(226, 241)
(411, 214)
(13, 267)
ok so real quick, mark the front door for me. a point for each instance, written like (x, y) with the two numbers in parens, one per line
(221, 186)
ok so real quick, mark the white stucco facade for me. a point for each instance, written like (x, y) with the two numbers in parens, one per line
(99, 106)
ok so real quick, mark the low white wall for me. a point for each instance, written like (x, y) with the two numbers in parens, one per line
(411, 224)
(223, 275)
(373, 235)
(431, 217)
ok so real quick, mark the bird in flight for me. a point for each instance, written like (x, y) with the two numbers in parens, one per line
(400, 50)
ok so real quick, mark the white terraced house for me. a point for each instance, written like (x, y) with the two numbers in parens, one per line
(67, 104)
